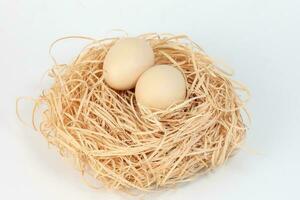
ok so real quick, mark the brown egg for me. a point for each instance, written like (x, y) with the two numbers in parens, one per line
(125, 61)
(160, 86)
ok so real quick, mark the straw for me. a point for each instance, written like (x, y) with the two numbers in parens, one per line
(129, 147)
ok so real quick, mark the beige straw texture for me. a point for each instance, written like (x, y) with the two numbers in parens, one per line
(128, 147)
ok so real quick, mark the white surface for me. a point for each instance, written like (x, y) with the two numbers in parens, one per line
(259, 39)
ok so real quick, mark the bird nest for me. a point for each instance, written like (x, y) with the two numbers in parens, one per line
(126, 146)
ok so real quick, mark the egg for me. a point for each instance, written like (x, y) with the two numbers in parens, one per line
(125, 61)
(160, 86)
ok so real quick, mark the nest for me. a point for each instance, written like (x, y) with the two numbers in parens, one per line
(126, 146)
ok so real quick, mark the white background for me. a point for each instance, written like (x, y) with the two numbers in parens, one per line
(259, 39)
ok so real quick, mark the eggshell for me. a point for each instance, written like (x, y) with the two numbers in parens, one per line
(125, 61)
(160, 86)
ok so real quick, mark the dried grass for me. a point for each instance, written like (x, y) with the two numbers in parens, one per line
(127, 146)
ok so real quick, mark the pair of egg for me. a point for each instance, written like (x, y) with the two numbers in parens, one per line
(130, 63)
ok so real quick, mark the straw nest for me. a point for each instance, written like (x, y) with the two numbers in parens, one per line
(124, 145)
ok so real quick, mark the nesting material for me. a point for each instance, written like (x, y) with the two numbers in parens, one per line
(126, 146)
